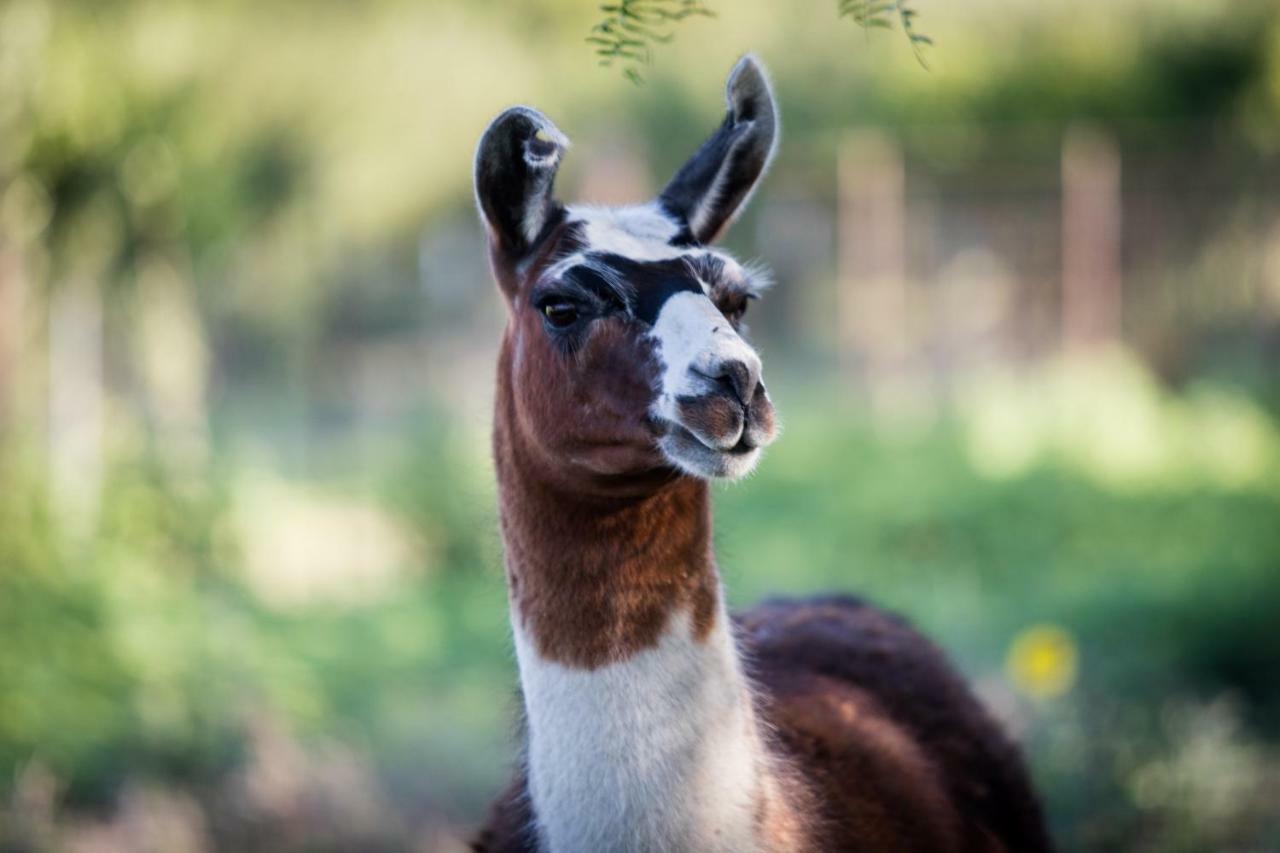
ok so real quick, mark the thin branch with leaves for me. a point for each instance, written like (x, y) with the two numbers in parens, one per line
(631, 28)
(879, 14)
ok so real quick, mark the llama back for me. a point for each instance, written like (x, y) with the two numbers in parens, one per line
(877, 715)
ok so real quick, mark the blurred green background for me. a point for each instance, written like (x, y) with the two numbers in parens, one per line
(1025, 343)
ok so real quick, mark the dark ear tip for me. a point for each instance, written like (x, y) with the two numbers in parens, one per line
(525, 132)
(515, 171)
(748, 92)
(518, 117)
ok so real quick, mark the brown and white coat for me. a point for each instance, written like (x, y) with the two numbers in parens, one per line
(654, 720)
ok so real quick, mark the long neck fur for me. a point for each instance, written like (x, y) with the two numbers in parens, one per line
(642, 735)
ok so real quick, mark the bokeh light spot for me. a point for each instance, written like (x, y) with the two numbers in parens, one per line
(1043, 661)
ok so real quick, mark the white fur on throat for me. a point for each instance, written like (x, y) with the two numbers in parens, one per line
(659, 752)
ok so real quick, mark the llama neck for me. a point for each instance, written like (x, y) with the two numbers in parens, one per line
(641, 730)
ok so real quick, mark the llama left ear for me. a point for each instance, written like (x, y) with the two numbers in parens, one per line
(515, 172)
(709, 190)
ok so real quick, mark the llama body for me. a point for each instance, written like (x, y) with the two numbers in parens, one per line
(654, 721)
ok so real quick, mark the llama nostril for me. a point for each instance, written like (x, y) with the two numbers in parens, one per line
(739, 378)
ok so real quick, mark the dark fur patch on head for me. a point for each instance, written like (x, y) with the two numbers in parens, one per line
(642, 288)
(599, 283)
(651, 283)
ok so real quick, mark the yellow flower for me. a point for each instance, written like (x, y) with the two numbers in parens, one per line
(1042, 661)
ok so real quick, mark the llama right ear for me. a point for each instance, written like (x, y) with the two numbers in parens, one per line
(709, 190)
(515, 170)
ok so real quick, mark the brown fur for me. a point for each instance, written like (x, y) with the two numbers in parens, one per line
(889, 737)
(607, 587)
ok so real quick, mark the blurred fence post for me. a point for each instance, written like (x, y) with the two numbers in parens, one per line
(1091, 228)
(1271, 276)
(172, 358)
(12, 299)
(870, 249)
(76, 404)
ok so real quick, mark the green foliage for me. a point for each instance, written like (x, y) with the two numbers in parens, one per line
(872, 14)
(627, 35)
(112, 662)
(632, 27)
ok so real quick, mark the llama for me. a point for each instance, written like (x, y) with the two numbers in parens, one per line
(654, 721)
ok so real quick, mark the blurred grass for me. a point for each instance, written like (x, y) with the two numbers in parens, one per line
(158, 662)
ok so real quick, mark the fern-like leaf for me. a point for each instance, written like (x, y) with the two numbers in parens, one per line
(880, 14)
(631, 27)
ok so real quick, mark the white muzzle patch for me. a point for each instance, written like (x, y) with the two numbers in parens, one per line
(694, 341)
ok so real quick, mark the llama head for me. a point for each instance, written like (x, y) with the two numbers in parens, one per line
(623, 353)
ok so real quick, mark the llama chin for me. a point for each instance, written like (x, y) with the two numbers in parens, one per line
(690, 455)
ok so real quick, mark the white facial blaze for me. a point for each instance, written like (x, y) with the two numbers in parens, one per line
(641, 232)
(694, 341)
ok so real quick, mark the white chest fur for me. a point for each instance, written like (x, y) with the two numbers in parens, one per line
(656, 753)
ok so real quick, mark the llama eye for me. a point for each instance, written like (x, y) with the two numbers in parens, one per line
(562, 315)
(735, 311)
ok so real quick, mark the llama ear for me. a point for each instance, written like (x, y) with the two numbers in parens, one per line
(516, 164)
(709, 190)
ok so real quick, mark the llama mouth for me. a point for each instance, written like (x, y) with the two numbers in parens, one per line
(686, 451)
